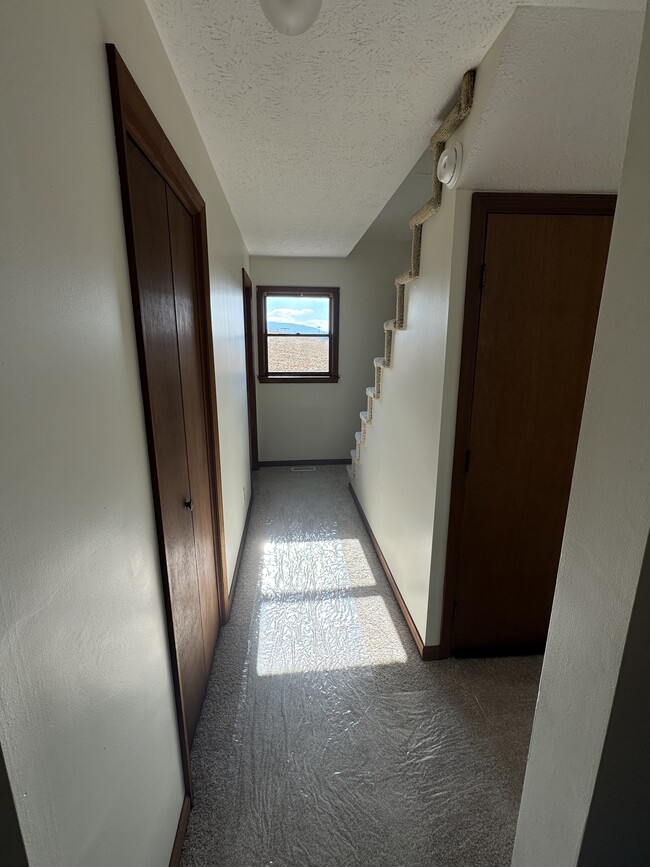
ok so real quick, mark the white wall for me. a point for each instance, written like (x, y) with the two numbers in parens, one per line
(603, 551)
(617, 829)
(570, 74)
(305, 422)
(404, 478)
(87, 720)
(398, 475)
(448, 371)
(11, 841)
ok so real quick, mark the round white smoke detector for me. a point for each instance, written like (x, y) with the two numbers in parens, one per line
(449, 164)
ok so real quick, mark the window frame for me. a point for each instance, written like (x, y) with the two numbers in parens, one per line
(332, 375)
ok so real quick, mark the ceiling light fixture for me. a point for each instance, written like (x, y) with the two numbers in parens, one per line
(291, 17)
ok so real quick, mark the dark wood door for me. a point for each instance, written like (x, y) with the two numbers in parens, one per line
(538, 312)
(181, 232)
(164, 261)
(247, 288)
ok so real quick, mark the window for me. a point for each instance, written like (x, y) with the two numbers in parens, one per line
(298, 334)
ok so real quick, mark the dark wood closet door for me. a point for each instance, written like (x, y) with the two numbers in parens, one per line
(538, 314)
(181, 231)
(148, 202)
(247, 289)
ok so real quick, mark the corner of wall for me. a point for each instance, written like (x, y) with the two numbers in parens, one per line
(455, 313)
(602, 561)
(11, 840)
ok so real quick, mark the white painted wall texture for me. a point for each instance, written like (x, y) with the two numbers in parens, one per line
(602, 559)
(570, 74)
(87, 719)
(308, 422)
(403, 460)
(453, 296)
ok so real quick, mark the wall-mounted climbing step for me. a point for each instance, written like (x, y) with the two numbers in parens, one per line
(379, 363)
(399, 307)
(364, 424)
(370, 396)
(388, 343)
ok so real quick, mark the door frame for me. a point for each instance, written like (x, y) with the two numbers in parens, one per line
(251, 395)
(133, 117)
(483, 205)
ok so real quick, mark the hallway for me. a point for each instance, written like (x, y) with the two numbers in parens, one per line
(324, 738)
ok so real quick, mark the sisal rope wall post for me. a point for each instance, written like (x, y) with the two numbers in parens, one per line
(437, 144)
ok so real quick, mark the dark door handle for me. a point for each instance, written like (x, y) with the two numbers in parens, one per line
(189, 504)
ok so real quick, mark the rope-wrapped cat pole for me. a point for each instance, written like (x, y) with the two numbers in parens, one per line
(437, 144)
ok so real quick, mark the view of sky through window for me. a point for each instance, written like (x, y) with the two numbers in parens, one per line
(293, 315)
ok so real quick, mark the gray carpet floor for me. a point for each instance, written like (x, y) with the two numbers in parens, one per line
(324, 739)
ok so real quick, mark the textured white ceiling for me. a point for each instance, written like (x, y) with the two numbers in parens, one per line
(312, 135)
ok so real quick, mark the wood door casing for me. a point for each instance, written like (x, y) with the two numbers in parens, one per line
(538, 314)
(148, 206)
(181, 233)
(247, 290)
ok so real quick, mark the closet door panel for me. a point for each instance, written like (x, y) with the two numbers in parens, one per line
(156, 309)
(182, 246)
(538, 315)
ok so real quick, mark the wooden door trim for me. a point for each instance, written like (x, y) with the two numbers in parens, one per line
(483, 205)
(181, 830)
(133, 118)
(249, 342)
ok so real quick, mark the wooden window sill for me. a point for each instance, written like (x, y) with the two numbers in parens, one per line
(297, 380)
